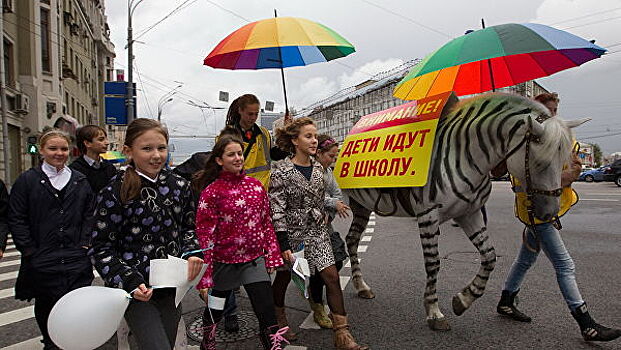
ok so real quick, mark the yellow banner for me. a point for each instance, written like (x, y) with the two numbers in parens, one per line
(383, 151)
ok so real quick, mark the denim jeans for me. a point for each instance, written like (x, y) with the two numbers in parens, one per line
(230, 306)
(550, 241)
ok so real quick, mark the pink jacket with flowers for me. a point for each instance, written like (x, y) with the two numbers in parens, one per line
(234, 215)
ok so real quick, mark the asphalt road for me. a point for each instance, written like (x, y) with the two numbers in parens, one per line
(392, 264)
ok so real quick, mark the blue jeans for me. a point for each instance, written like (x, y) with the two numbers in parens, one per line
(230, 306)
(550, 241)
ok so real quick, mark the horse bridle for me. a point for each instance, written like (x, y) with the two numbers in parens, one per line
(531, 191)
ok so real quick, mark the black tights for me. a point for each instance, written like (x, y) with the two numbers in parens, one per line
(316, 285)
(330, 278)
(260, 295)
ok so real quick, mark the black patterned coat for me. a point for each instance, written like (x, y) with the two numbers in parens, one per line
(298, 209)
(157, 224)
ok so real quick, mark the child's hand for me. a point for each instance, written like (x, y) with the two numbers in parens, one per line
(342, 208)
(142, 293)
(195, 264)
(204, 294)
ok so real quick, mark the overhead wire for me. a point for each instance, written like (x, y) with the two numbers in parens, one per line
(585, 16)
(143, 88)
(177, 9)
(590, 23)
(407, 19)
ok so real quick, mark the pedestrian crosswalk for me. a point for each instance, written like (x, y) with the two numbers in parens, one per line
(20, 313)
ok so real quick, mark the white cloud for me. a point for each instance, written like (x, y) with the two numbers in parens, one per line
(367, 70)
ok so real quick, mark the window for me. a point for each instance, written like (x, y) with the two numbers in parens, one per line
(46, 63)
(8, 63)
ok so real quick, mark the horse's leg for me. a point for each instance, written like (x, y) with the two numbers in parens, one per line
(428, 224)
(358, 225)
(475, 229)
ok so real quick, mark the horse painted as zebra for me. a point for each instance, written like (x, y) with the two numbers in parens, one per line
(473, 136)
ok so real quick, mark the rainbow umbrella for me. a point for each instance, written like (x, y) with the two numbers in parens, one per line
(113, 157)
(496, 57)
(278, 43)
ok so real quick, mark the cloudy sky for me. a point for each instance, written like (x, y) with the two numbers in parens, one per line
(385, 34)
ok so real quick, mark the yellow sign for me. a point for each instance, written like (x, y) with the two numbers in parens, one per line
(391, 148)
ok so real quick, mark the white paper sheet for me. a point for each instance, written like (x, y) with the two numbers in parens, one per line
(173, 273)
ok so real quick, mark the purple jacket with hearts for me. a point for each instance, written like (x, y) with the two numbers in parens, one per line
(125, 237)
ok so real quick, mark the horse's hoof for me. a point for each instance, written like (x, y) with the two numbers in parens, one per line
(458, 307)
(439, 324)
(366, 294)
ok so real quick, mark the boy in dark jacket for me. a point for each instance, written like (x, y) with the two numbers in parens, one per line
(92, 141)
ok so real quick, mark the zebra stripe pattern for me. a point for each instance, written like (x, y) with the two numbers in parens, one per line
(471, 139)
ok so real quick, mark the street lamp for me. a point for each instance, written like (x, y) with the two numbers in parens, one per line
(160, 106)
(167, 98)
(131, 7)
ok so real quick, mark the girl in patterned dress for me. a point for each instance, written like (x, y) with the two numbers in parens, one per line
(327, 149)
(145, 213)
(297, 199)
(233, 219)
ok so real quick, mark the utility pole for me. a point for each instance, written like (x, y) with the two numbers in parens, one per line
(131, 7)
(5, 117)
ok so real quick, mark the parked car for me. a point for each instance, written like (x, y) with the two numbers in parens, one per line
(614, 172)
(592, 175)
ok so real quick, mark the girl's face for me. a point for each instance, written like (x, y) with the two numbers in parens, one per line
(327, 158)
(149, 152)
(249, 115)
(55, 151)
(99, 144)
(306, 142)
(232, 159)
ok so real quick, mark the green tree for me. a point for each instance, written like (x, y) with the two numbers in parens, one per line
(597, 155)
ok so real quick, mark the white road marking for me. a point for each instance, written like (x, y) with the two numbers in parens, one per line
(10, 246)
(30, 344)
(9, 263)
(16, 315)
(7, 293)
(8, 276)
(366, 239)
(362, 248)
(370, 230)
(599, 200)
(371, 223)
(344, 280)
(8, 254)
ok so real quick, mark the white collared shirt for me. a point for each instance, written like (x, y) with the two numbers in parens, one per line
(146, 176)
(59, 179)
(92, 162)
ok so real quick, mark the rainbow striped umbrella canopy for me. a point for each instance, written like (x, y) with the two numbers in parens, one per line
(496, 57)
(278, 43)
(113, 157)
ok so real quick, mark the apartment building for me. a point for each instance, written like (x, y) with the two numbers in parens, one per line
(57, 54)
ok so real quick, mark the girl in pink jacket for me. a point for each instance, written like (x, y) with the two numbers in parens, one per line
(233, 223)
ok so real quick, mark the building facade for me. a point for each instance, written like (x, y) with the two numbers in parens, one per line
(57, 54)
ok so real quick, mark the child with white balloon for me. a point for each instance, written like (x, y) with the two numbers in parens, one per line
(145, 213)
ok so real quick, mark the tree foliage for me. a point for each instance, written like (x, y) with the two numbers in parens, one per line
(597, 155)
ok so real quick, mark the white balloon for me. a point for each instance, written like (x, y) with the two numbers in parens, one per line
(86, 318)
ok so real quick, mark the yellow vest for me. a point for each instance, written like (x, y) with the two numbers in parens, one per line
(257, 163)
(569, 197)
